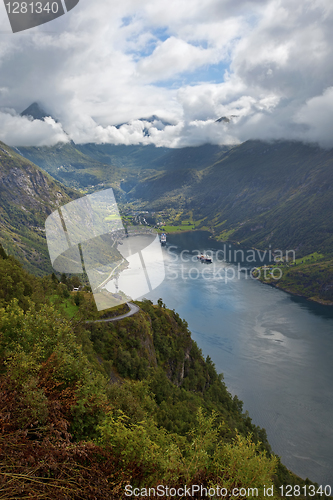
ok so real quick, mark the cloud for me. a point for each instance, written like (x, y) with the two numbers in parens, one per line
(316, 116)
(172, 57)
(15, 129)
(267, 62)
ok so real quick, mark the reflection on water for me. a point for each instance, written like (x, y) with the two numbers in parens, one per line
(275, 350)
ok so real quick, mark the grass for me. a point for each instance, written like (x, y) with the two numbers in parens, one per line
(311, 258)
(220, 224)
(185, 225)
(225, 235)
(112, 217)
(176, 229)
(69, 308)
(313, 280)
(67, 305)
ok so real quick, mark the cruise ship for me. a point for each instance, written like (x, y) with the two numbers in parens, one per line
(163, 239)
(205, 258)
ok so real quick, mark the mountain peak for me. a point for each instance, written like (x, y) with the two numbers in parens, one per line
(154, 118)
(35, 111)
(225, 119)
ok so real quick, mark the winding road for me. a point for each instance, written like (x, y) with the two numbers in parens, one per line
(133, 310)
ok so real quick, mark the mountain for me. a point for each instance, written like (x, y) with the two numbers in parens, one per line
(145, 158)
(225, 119)
(88, 165)
(258, 193)
(27, 196)
(91, 407)
(275, 195)
(35, 111)
(156, 120)
(66, 163)
(278, 193)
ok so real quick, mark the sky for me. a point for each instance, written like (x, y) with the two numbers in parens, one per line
(265, 64)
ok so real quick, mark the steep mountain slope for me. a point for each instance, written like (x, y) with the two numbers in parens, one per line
(36, 111)
(72, 167)
(279, 194)
(85, 165)
(85, 413)
(27, 197)
(257, 193)
(153, 158)
(135, 157)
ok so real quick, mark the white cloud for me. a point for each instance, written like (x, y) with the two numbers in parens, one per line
(15, 129)
(172, 57)
(266, 61)
(316, 116)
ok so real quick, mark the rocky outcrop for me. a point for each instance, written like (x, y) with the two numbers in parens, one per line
(27, 197)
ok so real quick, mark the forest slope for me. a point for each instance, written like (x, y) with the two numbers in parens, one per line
(27, 196)
(278, 193)
(87, 410)
(262, 195)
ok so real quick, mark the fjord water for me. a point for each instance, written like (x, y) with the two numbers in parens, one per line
(275, 350)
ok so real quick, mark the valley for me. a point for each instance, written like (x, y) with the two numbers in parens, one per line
(73, 404)
(166, 250)
(233, 196)
(257, 194)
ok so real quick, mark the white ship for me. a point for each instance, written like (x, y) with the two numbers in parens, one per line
(204, 258)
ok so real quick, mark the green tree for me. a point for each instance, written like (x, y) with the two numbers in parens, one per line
(3, 254)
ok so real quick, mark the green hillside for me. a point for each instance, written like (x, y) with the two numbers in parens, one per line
(72, 167)
(88, 166)
(27, 197)
(310, 277)
(87, 409)
(279, 194)
(262, 195)
(257, 193)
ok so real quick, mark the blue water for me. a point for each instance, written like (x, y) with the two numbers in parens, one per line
(275, 350)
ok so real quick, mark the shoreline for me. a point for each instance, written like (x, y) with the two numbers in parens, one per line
(286, 290)
(212, 236)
